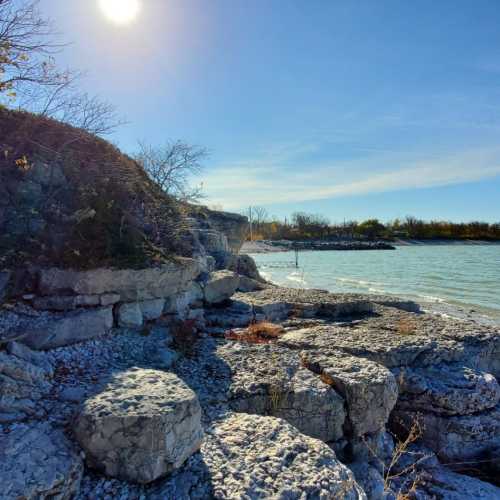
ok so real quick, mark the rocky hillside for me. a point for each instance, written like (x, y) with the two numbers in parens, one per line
(71, 199)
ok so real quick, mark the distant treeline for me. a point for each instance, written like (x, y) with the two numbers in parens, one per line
(304, 226)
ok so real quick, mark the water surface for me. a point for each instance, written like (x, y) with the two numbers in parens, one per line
(459, 275)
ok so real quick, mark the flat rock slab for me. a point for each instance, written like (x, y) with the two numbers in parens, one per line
(370, 389)
(268, 380)
(251, 456)
(132, 285)
(37, 462)
(277, 303)
(446, 389)
(49, 331)
(395, 338)
(143, 426)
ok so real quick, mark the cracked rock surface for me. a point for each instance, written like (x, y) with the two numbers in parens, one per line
(46, 465)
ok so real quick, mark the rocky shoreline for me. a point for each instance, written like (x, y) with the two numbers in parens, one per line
(281, 417)
(269, 246)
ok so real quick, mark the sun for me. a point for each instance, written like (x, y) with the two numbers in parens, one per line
(120, 11)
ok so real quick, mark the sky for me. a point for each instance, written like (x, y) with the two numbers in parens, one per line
(353, 109)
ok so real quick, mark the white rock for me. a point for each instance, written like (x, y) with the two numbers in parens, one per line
(132, 285)
(250, 456)
(130, 315)
(58, 330)
(145, 425)
(220, 286)
(370, 389)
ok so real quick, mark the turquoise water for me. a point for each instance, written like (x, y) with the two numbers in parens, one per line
(459, 275)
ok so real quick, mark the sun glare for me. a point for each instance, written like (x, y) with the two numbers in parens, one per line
(120, 11)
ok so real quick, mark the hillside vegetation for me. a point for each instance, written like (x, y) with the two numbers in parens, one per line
(71, 198)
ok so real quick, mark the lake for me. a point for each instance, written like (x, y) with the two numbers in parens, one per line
(458, 275)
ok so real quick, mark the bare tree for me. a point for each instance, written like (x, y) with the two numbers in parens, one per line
(172, 166)
(260, 216)
(30, 79)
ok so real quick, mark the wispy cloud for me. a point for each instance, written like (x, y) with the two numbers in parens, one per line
(267, 181)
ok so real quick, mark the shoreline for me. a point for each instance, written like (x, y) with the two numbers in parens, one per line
(261, 246)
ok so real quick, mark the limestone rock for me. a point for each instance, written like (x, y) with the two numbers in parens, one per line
(270, 381)
(440, 482)
(250, 456)
(220, 286)
(132, 285)
(55, 330)
(454, 438)
(36, 463)
(247, 284)
(24, 379)
(370, 390)
(446, 389)
(277, 303)
(395, 338)
(39, 359)
(152, 309)
(244, 265)
(370, 479)
(129, 315)
(143, 426)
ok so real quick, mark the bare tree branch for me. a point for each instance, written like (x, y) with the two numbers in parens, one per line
(30, 79)
(172, 166)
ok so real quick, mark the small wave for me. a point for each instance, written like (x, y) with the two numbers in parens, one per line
(296, 277)
(353, 281)
(431, 298)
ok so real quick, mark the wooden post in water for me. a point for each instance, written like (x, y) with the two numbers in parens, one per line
(296, 256)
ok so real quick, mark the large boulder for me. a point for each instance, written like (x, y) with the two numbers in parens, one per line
(132, 285)
(220, 286)
(37, 462)
(370, 389)
(245, 266)
(267, 380)
(143, 426)
(251, 456)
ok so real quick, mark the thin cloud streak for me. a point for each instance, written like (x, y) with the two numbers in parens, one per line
(261, 183)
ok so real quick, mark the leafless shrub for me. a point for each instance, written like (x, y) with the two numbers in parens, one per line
(171, 167)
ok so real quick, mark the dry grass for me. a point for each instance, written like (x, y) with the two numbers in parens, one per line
(258, 333)
(406, 326)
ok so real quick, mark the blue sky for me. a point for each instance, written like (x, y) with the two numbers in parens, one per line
(352, 108)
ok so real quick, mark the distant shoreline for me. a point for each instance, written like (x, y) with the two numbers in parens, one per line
(268, 247)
